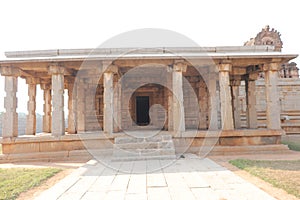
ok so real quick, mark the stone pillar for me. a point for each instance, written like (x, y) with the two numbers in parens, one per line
(31, 106)
(117, 106)
(10, 117)
(203, 106)
(58, 117)
(225, 97)
(251, 102)
(46, 87)
(213, 99)
(81, 111)
(71, 116)
(108, 102)
(170, 99)
(272, 95)
(178, 106)
(236, 103)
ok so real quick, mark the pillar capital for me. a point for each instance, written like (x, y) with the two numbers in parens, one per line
(33, 80)
(252, 76)
(274, 66)
(9, 71)
(235, 82)
(225, 66)
(56, 69)
(110, 67)
(45, 86)
(179, 66)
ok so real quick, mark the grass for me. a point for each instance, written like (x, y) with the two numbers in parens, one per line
(14, 181)
(292, 145)
(281, 174)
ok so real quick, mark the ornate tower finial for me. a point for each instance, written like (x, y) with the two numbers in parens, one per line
(267, 37)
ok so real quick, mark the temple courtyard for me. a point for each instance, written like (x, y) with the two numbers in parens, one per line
(190, 177)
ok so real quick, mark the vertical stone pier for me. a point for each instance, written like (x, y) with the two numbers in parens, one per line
(58, 116)
(46, 87)
(71, 116)
(272, 96)
(213, 99)
(10, 117)
(108, 102)
(81, 110)
(236, 103)
(225, 96)
(31, 106)
(178, 106)
(251, 101)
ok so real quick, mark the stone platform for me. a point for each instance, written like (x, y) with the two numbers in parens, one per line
(203, 143)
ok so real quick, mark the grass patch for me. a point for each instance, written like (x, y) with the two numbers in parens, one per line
(14, 181)
(292, 145)
(281, 174)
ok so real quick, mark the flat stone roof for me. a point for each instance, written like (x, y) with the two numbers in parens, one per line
(155, 50)
(222, 52)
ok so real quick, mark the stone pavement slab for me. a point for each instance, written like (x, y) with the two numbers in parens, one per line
(187, 178)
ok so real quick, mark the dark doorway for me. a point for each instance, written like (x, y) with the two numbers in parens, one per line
(142, 110)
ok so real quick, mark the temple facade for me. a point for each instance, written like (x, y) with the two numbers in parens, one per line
(189, 93)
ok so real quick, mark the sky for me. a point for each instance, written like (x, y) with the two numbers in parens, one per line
(35, 25)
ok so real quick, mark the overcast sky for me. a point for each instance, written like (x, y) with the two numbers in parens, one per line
(31, 25)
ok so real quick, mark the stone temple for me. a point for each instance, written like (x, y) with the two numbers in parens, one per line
(154, 102)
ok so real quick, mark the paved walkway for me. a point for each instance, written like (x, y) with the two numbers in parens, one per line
(187, 178)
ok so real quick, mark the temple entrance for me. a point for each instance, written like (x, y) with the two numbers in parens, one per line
(142, 110)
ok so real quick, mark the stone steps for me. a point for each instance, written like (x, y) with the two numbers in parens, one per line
(146, 148)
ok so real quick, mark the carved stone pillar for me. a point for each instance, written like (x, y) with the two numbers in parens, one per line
(213, 100)
(108, 102)
(178, 106)
(203, 104)
(170, 100)
(272, 95)
(251, 101)
(46, 87)
(71, 116)
(225, 96)
(81, 111)
(31, 106)
(10, 117)
(117, 105)
(235, 85)
(58, 116)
